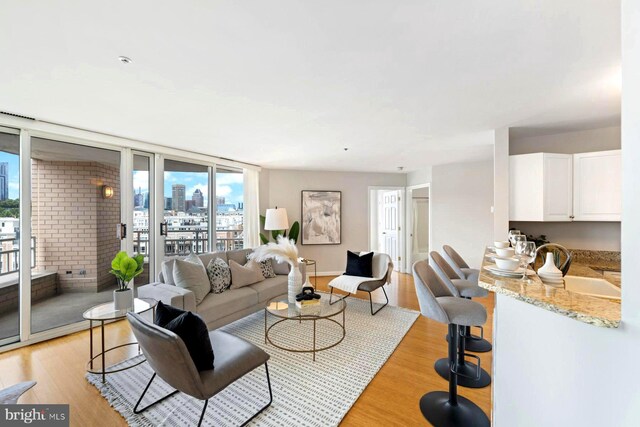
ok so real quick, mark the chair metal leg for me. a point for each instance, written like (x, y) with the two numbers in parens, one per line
(135, 408)
(266, 368)
(331, 295)
(383, 306)
(204, 409)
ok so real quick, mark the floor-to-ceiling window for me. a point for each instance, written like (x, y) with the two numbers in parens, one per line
(75, 199)
(143, 202)
(229, 208)
(186, 207)
(9, 236)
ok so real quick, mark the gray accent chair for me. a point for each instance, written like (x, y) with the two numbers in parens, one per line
(170, 360)
(438, 303)
(460, 265)
(10, 395)
(465, 289)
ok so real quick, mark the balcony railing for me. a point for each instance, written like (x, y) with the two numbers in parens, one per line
(10, 255)
(187, 239)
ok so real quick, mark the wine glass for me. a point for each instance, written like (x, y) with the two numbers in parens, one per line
(526, 251)
(512, 234)
(516, 238)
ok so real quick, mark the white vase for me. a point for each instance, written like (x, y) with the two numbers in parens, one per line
(295, 283)
(123, 300)
(549, 268)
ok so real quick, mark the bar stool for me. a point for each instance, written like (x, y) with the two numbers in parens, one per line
(466, 289)
(460, 265)
(438, 303)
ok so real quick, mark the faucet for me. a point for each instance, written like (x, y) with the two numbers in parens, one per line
(549, 247)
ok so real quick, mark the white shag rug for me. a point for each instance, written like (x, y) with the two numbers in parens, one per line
(305, 393)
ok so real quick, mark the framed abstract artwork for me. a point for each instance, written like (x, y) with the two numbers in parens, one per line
(321, 217)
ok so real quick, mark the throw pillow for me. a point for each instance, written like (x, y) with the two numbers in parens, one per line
(244, 275)
(266, 267)
(219, 275)
(193, 332)
(280, 267)
(167, 271)
(193, 277)
(359, 265)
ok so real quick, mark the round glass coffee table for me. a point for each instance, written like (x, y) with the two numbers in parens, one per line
(105, 313)
(284, 311)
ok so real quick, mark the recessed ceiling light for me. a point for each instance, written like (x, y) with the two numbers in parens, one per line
(346, 148)
(400, 168)
(124, 60)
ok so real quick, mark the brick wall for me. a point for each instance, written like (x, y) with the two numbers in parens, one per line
(42, 287)
(73, 225)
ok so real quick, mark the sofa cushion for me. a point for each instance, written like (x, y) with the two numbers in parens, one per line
(270, 288)
(207, 257)
(266, 267)
(166, 270)
(244, 275)
(280, 267)
(217, 306)
(239, 255)
(193, 277)
(219, 275)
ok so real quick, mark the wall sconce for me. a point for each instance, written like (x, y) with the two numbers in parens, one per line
(107, 192)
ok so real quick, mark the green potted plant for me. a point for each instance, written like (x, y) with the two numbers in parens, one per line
(125, 268)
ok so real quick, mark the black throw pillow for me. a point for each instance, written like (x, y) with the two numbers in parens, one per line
(193, 332)
(359, 265)
(166, 313)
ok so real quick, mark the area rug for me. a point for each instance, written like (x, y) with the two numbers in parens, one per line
(305, 393)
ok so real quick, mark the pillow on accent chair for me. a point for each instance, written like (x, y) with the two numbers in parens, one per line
(219, 275)
(191, 329)
(245, 275)
(193, 277)
(359, 265)
(266, 267)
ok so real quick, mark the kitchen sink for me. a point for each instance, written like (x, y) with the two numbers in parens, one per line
(592, 287)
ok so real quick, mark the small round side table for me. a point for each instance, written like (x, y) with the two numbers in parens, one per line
(104, 313)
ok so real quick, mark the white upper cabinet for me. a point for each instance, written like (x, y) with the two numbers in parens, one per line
(540, 187)
(597, 186)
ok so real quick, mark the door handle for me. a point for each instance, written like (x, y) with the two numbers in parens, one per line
(163, 228)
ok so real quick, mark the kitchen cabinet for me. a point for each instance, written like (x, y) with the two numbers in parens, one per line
(597, 186)
(540, 187)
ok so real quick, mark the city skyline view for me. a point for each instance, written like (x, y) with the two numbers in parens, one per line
(13, 161)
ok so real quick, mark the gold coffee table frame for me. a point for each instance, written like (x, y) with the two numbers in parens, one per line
(279, 307)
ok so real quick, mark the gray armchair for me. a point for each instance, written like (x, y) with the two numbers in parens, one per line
(170, 360)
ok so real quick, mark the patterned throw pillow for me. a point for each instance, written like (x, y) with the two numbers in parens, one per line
(219, 275)
(266, 267)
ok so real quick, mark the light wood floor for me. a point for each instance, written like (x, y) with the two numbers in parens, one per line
(391, 399)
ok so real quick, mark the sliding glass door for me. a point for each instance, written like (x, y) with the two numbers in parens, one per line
(75, 198)
(143, 218)
(9, 236)
(229, 208)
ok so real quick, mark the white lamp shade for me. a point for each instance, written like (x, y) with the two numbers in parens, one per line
(276, 219)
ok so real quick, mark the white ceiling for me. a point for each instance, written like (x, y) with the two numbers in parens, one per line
(289, 84)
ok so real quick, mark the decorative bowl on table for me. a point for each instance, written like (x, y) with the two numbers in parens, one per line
(510, 264)
(505, 252)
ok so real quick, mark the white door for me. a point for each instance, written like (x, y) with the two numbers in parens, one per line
(420, 231)
(597, 186)
(388, 224)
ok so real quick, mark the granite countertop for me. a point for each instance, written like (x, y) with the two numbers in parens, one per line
(587, 309)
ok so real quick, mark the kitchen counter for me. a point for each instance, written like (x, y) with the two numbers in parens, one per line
(595, 311)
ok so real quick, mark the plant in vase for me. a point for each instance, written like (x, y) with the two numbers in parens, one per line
(284, 250)
(125, 268)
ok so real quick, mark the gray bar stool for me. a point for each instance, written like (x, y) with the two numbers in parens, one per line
(466, 289)
(438, 303)
(460, 265)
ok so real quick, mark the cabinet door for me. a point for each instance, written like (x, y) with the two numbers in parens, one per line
(597, 186)
(558, 187)
(526, 187)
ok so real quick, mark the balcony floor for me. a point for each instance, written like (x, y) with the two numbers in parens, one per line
(59, 310)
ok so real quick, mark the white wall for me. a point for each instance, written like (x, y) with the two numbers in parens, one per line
(422, 176)
(604, 236)
(283, 188)
(461, 200)
(501, 184)
(555, 371)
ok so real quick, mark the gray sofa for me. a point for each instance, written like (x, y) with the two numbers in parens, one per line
(220, 309)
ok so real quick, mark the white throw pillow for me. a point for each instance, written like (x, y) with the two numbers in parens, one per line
(219, 275)
(167, 267)
(244, 275)
(193, 277)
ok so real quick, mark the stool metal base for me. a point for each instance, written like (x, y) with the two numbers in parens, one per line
(475, 344)
(438, 411)
(467, 374)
